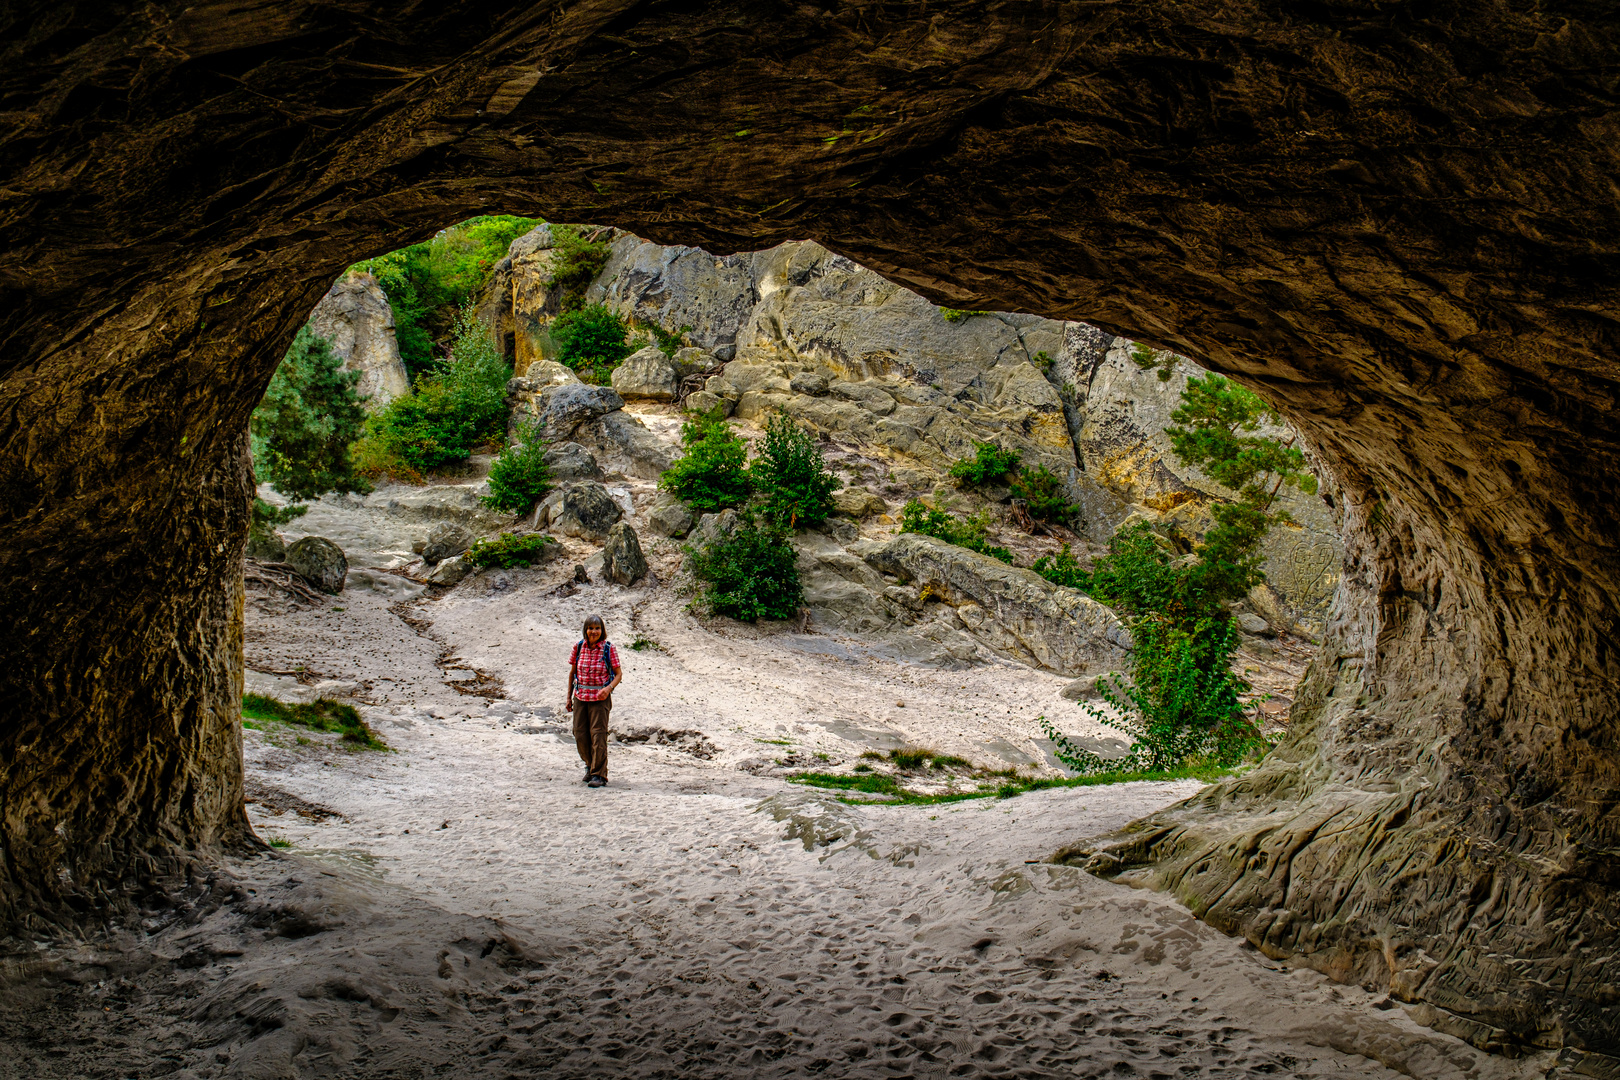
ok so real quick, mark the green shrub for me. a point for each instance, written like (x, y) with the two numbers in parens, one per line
(322, 715)
(791, 474)
(670, 343)
(955, 315)
(301, 431)
(1042, 361)
(1044, 494)
(509, 549)
(591, 340)
(576, 262)
(1149, 359)
(713, 472)
(459, 406)
(988, 464)
(519, 478)
(1063, 569)
(970, 532)
(751, 574)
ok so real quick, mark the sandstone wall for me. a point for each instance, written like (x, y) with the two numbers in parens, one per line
(355, 319)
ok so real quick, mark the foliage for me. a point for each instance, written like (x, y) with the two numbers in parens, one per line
(1042, 361)
(970, 532)
(591, 340)
(322, 715)
(750, 574)
(1149, 359)
(713, 472)
(988, 464)
(519, 478)
(791, 473)
(576, 262)
(301, 431)
(266, 516)
(955, 315)
(1063, 569)
(509, 550)
(460, 405)
(427, 283)
(669, 343)
(1044, 493)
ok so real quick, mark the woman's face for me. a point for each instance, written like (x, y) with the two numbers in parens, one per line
(593, 634)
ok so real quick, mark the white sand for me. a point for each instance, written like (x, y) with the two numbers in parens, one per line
(710, 920)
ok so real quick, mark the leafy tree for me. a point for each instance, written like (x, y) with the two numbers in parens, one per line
(1044, 493)
(791, 473)
(1063, 569)
(750, 574)
(971, 532)
(713, 473)
(591, 340)
(988, 464)
(301, 431)
(519, 478)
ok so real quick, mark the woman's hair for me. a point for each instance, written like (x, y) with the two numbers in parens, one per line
(596, 621)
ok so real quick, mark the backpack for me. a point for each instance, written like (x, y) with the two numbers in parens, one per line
(607, 660)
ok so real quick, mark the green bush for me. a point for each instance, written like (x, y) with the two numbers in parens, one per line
(576, 263)
(791, 474)
(322, 715)
(1150, 359)
(591, 340)
(713, 473)
(970, 532)
(988, 464)
(956, 315)
(751, 574)
(459, 406)
(301, 431)
(519, 478)
(509, 549)
(1063, 569)
(1045, 495)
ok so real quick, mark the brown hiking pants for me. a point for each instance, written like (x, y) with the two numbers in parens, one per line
(591, 734)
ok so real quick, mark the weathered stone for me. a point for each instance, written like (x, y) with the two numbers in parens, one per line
(840, 589)
(858, 502)
(358, 325)
(1063, 630)
(583, 508)
(623, 444)
(1250, 623)
(571, 461)
(265, 545)
(540, 374)
(444, 539)
(701, 401)
(622, 561)
(647, 375)
(1083, 689)
(450, 571)
(319, 562)
(562, 409)
(808, 382)
(670, 516)
(712, 527)
(693, 361)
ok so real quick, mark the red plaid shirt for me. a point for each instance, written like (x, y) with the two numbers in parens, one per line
(591, 675)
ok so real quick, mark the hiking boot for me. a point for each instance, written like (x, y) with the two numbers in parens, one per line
(596, 781)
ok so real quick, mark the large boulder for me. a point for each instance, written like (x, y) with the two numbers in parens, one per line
(571, 461)
(670, 516)
(320, 562)
(646, 375)
(622, 561)
(358, 325)
(694, 361)
(623, 443)
(539, 375)
(712, 527)
(701, 401)
(562, 409)
(265, 545)
(444, 539)
(583, 509)
(1016, 611)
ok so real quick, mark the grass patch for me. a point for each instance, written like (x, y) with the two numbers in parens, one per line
(322, 715)
(279, 842)
(642, 644)
(776, 742)
(891, 792)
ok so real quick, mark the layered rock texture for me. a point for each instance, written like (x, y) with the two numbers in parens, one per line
(1400, 226)
(356, 321)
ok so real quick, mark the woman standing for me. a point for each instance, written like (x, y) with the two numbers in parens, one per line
(593, 672)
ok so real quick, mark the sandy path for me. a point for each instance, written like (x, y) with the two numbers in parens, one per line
(718, 921)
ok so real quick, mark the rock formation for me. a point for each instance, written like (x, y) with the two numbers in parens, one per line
(356, 321)
(1402, 230)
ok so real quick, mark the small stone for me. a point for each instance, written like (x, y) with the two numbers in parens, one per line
(319, 562)
(580, 576)
(1081, 689)
(622, 561)
(444, 539)
(858, 502)
(450, 571)
(702, 401)
(647, 375)
(693, 361)
(670, 517)
(1250, 623)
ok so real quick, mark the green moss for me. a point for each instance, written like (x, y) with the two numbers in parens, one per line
(322, 715)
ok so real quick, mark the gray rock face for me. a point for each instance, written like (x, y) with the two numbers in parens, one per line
(450, 571)
(701, 401)
(622, 561)
(319, 562)
(693, 361)
(571, 461)
(563, 408)
(858, 502)
(646, 375)
(356, 321)
(444, 539)
(670, 516)
(1060, 629)
(583, 509)
(624, 443)
(539, 375)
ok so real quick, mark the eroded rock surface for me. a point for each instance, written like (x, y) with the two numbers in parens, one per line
(356, 321)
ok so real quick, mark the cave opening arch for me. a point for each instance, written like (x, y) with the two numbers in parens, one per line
(1404, 233)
